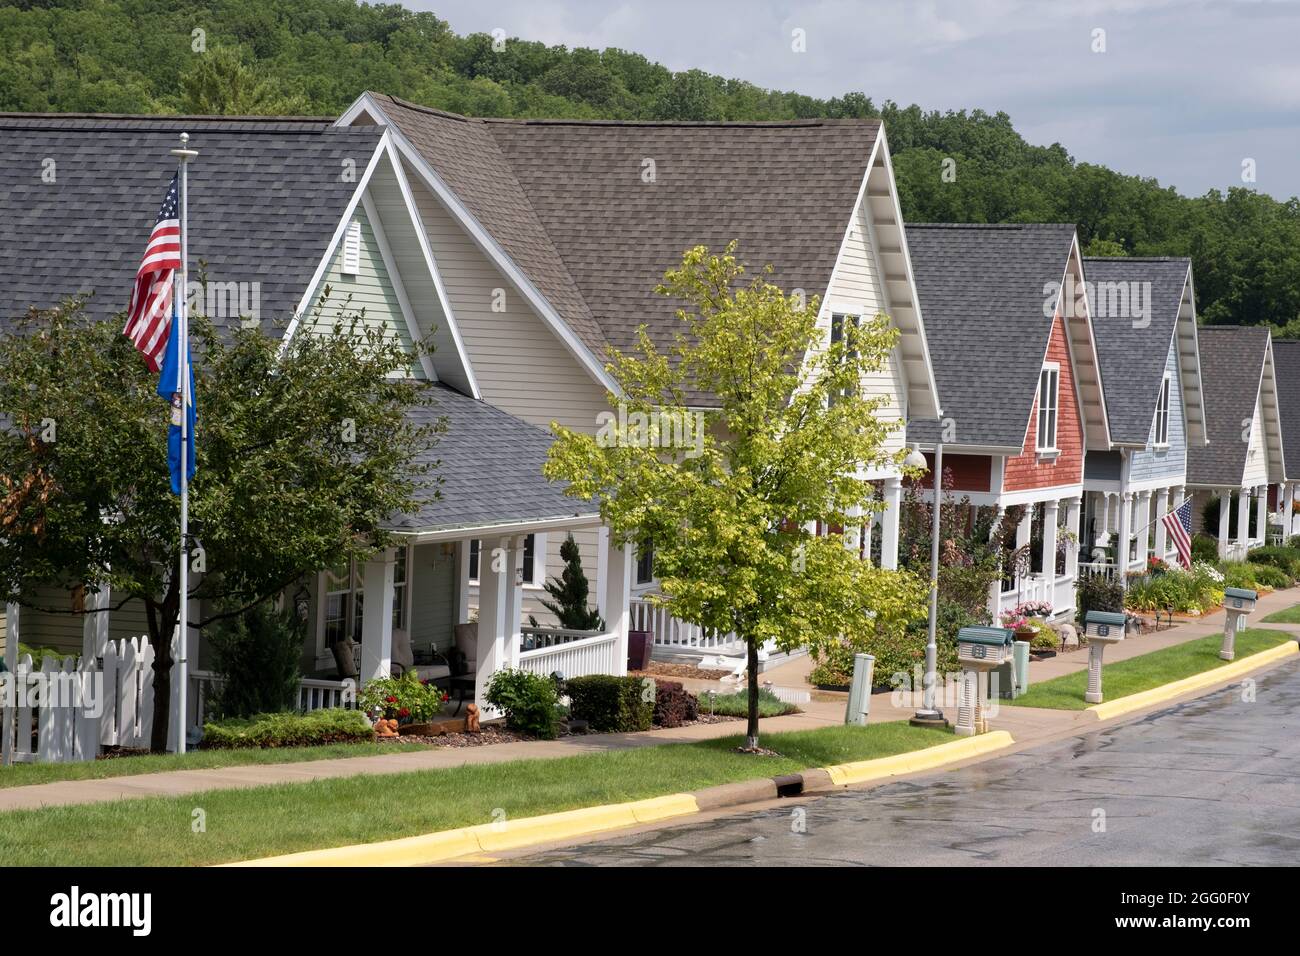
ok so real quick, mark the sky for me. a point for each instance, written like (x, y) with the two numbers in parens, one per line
(1186, 91)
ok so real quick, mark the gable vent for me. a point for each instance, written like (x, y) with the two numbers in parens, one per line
(352, 248)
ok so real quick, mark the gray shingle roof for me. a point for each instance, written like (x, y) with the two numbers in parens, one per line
(1232, 361)
(568, 202)
(982, 295)
(265, 198)
(1286, 361)
(1132, 352)
(491, 469)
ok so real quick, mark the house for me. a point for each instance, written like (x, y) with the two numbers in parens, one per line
(1286, 360)
(550, 237)
(1014, 353)
(1245, 451)
(1144, 318)
(282, 209)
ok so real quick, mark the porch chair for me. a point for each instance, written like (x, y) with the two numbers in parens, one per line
(345, 659)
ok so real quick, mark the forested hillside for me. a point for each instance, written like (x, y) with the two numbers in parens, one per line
(315, 56)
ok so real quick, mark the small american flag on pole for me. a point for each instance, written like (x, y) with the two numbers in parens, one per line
(148, 318)
(1179, 525)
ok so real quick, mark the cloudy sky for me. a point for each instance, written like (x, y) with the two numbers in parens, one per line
(1185, 90)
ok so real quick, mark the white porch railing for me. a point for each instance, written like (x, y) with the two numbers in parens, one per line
(596, 654)
(669, 631)
(1058, 591)
(1105, 569)
(313, 694)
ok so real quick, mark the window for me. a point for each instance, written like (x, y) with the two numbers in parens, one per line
(344, 605)
(1049, 388)
(399, 590)
(337, 583)
(352, 248)
(530, 566)
(645, 563)
(1162, 414)
(838, 321)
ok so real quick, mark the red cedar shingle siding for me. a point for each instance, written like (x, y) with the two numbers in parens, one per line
(969, 472)
(1025, 471)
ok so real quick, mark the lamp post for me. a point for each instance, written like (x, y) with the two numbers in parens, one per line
(929, 715)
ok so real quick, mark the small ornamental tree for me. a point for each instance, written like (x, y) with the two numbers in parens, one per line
(754, 506)
(303, 451)
(570, 593)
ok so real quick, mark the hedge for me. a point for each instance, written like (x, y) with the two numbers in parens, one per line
(313, 728)
(611, 704)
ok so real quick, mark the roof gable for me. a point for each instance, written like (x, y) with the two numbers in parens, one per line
(1237, 373)
(1286, 356)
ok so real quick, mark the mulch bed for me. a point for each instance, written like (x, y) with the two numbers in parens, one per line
(664, 669)
(497, 734)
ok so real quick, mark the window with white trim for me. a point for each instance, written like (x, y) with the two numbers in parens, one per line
(1049, 395)
(645, 563)
(1162, 414)
(531, 566)
(345, 601)
(838, 322)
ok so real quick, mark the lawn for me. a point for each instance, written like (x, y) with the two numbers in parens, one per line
(267, 821)
(1289, 615)
(22, 774)
(1149, 670)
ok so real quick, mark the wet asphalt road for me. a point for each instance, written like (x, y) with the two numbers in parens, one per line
(1214, 781)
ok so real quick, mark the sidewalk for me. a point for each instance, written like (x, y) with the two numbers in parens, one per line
(1027, 725)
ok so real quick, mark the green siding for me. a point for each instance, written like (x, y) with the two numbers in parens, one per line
(371, 290)
(433, 596)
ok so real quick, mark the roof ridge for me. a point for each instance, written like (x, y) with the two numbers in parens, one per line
(990, 225)
(173, 117)
(1137, 259)
(422, 108)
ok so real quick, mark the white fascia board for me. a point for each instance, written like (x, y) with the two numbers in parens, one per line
(930, 384)
(1075, 260)
(395, 277)
(505, 528)
(426, 250)
(951, 448)
(309, 296)
(484, 240)
(1189, 292)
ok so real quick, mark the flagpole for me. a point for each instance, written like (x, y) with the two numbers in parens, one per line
(184, 154)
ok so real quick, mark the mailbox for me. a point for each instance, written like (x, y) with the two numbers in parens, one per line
(984, 647)
(1239, 599)
(1104, 626)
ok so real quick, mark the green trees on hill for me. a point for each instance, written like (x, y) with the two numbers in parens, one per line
(315, 56)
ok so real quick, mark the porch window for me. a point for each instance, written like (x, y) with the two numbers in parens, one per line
(645, 563)
(1162, 414)
(530, 565)
(1049, 388)
(399, 590)
(345, 602)
(337, 583)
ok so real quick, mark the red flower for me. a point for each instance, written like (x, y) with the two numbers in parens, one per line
(391, 699)
(404, 712)
(445, 697)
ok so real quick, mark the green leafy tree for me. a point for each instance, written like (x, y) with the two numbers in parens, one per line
(220, 84)
(301, 458)
(569, 593)
(733, 513)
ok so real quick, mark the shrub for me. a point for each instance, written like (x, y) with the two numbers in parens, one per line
(895, 653)
(1272, 577)
(406, 699)
(674, 705)
(39, 655)
(1187, 592)
(1095, 592)
(611, 704)
(1205, 548)
(1240, 574)
(737, 704)
(1288, 559)
(529, 701)
(257, 656)
(314, 728)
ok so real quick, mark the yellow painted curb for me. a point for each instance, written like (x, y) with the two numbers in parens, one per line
(1217, 675)
(863, 771)
(490, 837)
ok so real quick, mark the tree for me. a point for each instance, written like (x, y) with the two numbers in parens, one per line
(301, 458)
(220, 84)
(570, 593)
(733, 497)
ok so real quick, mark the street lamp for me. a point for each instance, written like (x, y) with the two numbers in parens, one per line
(930, 715)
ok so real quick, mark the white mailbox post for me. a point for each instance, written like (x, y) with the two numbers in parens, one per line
(1101, 628)
(979, 650)
(1237, 605)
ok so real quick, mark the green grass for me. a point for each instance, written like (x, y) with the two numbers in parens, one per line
(737, 704)
(22, 774)
(266, 821)
(1289, 615)
(1147, 671)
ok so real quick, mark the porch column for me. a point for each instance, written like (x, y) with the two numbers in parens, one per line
(602, 561)
(1051, 515)
(493, 608)
(1162, 508)
(889, 528)
(1125, 533)
(1261, 513)
(1225, 511)
(853, 533)
(377, 617)
(995, 588)
(618, 601)
(462, 580)
(1143, 528)
(1072, 516)
(514, 580)
(94, 626)
(1288, 511)
(1243, 522)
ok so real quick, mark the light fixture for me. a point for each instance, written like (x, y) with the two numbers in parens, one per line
(915, 459)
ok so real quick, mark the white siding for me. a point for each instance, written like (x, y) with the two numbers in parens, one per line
(1256, 457)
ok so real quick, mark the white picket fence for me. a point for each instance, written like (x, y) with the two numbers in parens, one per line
(67, 713)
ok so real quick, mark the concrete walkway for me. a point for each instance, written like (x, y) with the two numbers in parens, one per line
(1026, 724)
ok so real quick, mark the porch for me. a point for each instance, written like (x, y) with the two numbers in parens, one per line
(1045, 562)
(1134, 517)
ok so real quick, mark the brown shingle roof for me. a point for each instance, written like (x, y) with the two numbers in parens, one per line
(570, 203)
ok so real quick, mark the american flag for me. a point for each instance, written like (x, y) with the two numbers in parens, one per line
(149, 316)
(1179, 524)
